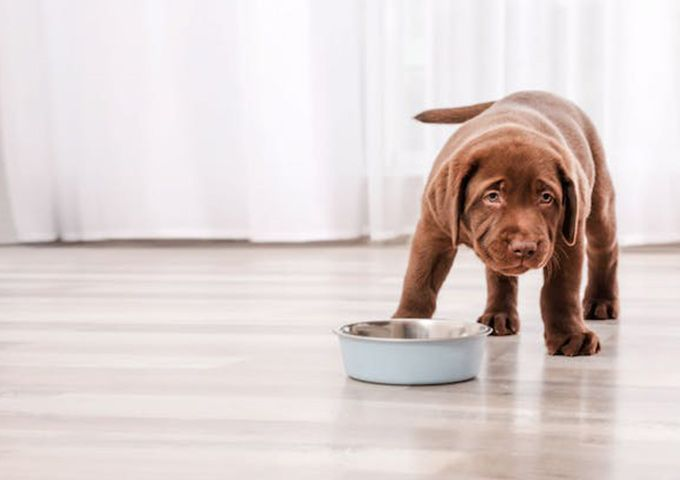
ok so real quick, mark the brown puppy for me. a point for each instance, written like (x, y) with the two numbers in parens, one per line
(522, 183)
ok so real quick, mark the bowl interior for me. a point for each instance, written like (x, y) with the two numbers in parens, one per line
(415, 329)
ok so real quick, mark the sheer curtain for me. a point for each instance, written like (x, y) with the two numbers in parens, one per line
(167, 119)
(290, 120)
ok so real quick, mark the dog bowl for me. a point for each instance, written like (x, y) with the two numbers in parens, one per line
(413, 351)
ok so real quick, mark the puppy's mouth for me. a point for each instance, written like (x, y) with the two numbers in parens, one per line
(513, 270)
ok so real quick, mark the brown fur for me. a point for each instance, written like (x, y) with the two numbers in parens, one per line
(523, 183)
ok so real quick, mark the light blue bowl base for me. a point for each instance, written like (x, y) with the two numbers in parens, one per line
(412, 363)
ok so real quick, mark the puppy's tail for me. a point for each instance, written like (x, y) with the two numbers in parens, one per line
(452, 115)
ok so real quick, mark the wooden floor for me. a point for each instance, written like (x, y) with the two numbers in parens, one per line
(216, 361)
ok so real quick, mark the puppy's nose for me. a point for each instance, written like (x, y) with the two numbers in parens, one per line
(523, 248)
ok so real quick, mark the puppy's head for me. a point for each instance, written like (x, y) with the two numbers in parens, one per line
(511, 198)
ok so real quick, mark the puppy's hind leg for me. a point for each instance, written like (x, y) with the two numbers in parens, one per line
(601, 299)
(501, 304)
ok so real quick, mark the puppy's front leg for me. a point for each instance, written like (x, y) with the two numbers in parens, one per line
(431, 257)
(565, 331)
(501, 304)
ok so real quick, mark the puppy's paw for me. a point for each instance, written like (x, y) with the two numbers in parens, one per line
(600, 308)
(502, 323)
(572, 344)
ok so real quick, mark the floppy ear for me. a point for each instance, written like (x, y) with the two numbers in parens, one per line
(444, 197)
(570, 203)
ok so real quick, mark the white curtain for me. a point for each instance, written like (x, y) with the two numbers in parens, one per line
(290, 120)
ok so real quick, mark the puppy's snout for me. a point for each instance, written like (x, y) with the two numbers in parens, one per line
(523, 248)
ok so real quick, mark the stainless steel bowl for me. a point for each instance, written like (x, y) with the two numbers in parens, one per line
(413, 351)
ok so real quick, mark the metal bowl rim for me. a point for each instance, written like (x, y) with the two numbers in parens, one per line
(484, 330)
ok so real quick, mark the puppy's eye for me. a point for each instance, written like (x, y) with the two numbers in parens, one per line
(547, 198)
(492, 197)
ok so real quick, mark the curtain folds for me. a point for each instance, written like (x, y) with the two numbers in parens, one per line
(290, 120)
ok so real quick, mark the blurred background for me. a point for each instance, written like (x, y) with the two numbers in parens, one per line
(291, 120)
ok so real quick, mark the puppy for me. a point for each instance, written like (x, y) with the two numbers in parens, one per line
(523, 182)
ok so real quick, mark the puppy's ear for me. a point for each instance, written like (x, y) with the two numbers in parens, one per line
(575, 196)
(570, 204)
(444, 197)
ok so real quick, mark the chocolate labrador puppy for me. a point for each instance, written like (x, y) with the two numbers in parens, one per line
(522, 182)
